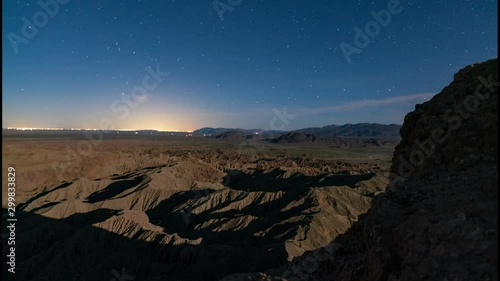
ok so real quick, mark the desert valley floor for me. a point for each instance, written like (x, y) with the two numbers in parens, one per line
(182, 208)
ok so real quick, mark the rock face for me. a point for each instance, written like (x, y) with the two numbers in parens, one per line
(455, 129)
(440, 223)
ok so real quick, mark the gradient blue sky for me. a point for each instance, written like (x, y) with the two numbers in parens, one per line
(233, 72)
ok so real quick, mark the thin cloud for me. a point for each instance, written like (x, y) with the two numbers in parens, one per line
(362, 104)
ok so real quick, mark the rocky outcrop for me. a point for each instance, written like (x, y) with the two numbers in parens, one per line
(455, 129)
(438, 220)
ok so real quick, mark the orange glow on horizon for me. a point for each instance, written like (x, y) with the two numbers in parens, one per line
(89, 129)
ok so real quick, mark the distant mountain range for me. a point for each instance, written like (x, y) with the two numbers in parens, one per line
(355, 130)
(348, 130)
(212, 132)
(306, 134)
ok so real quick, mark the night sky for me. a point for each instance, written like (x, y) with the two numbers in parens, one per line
(87, 61)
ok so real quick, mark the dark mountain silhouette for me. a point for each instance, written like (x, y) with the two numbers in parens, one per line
(347, 130)
(354, 130)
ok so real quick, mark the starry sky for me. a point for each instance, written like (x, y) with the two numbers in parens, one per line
(185, 64)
